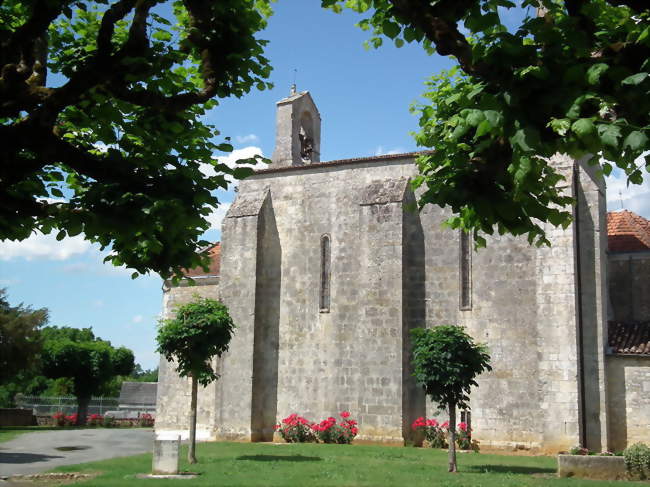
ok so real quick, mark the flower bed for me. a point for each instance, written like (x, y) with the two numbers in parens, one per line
(296, 429)
(97, 420)
(436, 434)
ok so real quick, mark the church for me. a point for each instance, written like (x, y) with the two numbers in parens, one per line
(326, 268)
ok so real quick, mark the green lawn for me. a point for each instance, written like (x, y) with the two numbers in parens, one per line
(260, 464)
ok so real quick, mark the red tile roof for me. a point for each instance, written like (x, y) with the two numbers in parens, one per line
(627, 232)
(629, 338)
(214, 251)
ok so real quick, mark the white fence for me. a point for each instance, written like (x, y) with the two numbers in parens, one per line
(43, 406)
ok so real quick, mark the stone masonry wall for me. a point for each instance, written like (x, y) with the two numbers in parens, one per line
(628, 380)
(392, 271)
(173, 398)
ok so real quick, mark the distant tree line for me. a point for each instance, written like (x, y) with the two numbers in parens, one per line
(59, 361)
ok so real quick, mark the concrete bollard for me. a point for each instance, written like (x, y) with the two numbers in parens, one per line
(166, 456)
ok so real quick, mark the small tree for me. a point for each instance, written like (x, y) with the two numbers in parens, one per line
(446, 361)
(88, 361)
(200, 330)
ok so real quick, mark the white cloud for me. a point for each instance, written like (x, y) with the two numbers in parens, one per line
(9, 282)
(231, 159)
(98, 303)
(137, 319)
(40, 246)
(635, 197)
(217, 216)
(96, 265)
(380, 151)
(247, 139)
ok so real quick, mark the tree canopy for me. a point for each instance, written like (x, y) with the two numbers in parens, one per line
(20, 340)
(88, 361)
(572, 77)
(101, 106)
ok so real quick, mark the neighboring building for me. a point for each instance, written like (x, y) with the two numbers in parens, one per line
(325, 269)
(137, 398)
(628, 359)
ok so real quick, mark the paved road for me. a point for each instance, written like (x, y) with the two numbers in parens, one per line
(37, 452)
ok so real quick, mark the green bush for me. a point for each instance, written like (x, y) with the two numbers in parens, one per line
(637, 460)
(109, 422)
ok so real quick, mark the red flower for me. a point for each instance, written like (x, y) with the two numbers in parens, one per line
(345, 414)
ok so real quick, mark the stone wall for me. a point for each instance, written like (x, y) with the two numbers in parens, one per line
(629, 286)
(392, 270)
(628, 379)
(174, 392)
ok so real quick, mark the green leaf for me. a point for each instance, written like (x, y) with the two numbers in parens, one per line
(523, 169)
(609, 134)
(520, 140)
(594, 73)
(583, 127)
(635, 79)
(391, 29)
(635, 141)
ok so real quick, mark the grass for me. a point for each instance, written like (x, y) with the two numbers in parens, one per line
(258, 464)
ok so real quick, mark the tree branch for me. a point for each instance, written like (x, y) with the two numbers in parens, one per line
(22, 40)
(107, 27)
(439, 24)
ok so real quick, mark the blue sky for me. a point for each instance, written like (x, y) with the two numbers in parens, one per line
(363, 98)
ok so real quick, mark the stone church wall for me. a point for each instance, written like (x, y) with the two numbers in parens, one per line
(393, 269)
(174, 392)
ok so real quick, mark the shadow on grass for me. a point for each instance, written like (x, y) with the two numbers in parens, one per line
(281, 458)
(506, 469)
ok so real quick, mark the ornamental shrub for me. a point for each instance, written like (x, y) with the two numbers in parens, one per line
(637, 460)
(434, 432)
(70, 420)
(145, 420)
(464, 437)
(343, 432)
(296, 429)
(59, 419)
(95, 420)
(578, 450)
(109, 422)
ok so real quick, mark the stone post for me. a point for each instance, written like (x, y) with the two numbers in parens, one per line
(165, 456)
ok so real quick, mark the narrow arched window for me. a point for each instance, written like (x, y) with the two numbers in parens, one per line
(325, 273)
(465, 268)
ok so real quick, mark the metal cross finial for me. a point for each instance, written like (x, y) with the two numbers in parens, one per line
(293, 86)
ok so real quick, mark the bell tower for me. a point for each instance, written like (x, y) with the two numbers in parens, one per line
(297, 133)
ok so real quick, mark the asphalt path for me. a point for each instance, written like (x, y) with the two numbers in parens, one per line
(41, 451)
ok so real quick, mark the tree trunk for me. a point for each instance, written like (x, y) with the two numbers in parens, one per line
(191, 457)
(82, 410)
(452, 437)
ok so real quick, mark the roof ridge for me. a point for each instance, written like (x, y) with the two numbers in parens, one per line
(627, 231)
